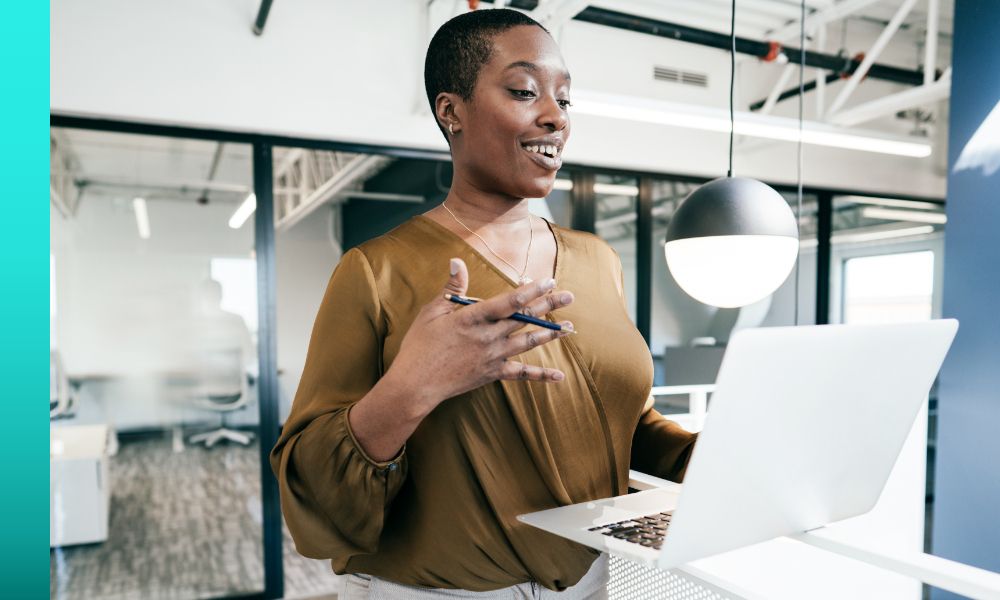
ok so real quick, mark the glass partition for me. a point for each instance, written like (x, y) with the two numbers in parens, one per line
(616, 200)
(154, 459)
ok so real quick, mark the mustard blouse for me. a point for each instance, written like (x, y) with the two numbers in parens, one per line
(443, 513)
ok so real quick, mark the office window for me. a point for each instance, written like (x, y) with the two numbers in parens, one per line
(238, 278)
(616, 199)
(889, 288)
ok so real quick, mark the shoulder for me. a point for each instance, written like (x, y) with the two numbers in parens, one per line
(586, 243)
(405, 235)
(404, 259)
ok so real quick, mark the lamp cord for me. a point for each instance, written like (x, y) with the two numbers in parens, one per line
(798, 213)
(732, 83)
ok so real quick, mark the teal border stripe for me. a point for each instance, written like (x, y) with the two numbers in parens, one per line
(24, 299)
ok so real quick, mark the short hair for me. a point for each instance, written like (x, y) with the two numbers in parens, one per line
(461, 47)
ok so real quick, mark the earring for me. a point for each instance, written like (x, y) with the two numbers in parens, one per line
(451, 128)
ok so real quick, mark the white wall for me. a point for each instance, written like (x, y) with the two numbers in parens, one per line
(305, 257)
(351, 71)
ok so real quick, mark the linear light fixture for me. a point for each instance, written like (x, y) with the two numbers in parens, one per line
(891, 202)
(632, 108)
(610, 189)
(616, 189)
(141, 217)
(894, 214)
(870, 234)
(244, 211)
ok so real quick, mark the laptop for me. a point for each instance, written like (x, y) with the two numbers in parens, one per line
(804, 428)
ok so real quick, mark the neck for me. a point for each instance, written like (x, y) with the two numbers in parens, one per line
(477, 207)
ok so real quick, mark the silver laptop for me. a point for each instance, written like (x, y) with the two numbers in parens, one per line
(804, 428)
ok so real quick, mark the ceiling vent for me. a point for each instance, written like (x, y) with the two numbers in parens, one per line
(678, 76)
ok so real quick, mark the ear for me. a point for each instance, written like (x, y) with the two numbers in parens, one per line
(447, 109)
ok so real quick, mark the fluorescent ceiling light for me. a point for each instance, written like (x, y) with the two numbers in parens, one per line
(688, 116)
(891, 202)
(892, 214)
(141, 217)
(243, 212)
(611, 189)
(615, 189)
(870, 234)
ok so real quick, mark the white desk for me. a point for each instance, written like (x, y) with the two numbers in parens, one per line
(79, 487)
(813, 565)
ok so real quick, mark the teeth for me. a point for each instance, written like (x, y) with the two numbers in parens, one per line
(551, 150)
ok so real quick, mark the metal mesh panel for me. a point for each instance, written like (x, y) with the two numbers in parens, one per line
(632, 581)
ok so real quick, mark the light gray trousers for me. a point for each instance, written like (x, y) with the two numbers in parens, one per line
(593, 586)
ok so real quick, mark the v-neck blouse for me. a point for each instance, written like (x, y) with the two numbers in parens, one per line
(443, 513)
(482, 257)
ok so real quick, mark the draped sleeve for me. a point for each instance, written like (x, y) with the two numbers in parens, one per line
(660, 447)
(333, 495)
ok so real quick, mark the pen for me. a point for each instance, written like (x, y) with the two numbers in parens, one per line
(516, 316)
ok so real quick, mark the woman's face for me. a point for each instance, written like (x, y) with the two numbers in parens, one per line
(515, 127)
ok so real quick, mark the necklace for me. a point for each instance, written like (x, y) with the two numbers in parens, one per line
(521, 279)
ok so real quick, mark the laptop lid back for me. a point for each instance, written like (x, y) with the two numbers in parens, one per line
(804, 428)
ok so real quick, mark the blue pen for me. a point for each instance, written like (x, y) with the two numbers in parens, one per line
(516, 316)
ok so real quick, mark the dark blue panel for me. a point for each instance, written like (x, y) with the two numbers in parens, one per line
(967, 489)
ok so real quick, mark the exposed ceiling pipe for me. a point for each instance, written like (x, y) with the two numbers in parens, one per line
(712, 39)
(265, 8)
(216, 158)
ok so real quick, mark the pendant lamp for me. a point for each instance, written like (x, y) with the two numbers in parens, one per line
(734, 240)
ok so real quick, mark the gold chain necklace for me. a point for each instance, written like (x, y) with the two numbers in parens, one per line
(521, 279)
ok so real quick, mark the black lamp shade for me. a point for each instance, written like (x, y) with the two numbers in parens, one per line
(732, 206)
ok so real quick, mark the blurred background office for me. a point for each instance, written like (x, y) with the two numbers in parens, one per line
(210, 163)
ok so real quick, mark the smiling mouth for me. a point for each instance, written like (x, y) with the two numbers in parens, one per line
(550, 151)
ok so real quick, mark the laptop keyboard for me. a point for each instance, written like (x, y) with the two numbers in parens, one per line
(646, 531)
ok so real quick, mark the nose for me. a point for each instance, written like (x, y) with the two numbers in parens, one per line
(552, 116)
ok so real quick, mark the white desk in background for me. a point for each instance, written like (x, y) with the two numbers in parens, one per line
(818, 565)
(79, 484)
(694, 418)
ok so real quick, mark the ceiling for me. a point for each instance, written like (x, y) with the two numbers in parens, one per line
(126, 165)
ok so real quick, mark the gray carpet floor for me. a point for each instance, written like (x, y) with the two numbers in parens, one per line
(181, 526)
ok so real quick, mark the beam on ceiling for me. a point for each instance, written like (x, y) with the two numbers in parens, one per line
(871, 56)
(790, 31)
(930, 43)
(888, 105)
(712, 39)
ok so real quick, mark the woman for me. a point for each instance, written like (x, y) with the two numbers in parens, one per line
(422, 428)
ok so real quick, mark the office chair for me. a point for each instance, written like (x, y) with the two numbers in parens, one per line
(222, 387)
(62, 400)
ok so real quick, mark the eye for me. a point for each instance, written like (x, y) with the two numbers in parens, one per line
(565, 104)
(523, 93)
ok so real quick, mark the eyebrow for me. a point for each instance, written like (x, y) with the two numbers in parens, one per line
(530, 66)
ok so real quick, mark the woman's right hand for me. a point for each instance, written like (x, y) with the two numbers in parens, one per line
(450, 348)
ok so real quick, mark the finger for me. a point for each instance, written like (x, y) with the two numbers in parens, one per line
(458, 281)
(540, 307)
(517, 371)
(502, 306)
(522, 342)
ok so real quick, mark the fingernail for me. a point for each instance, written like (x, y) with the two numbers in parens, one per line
(566, 298)
(557, 376)
(568, 325)
(548, 284)
(453, 266)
